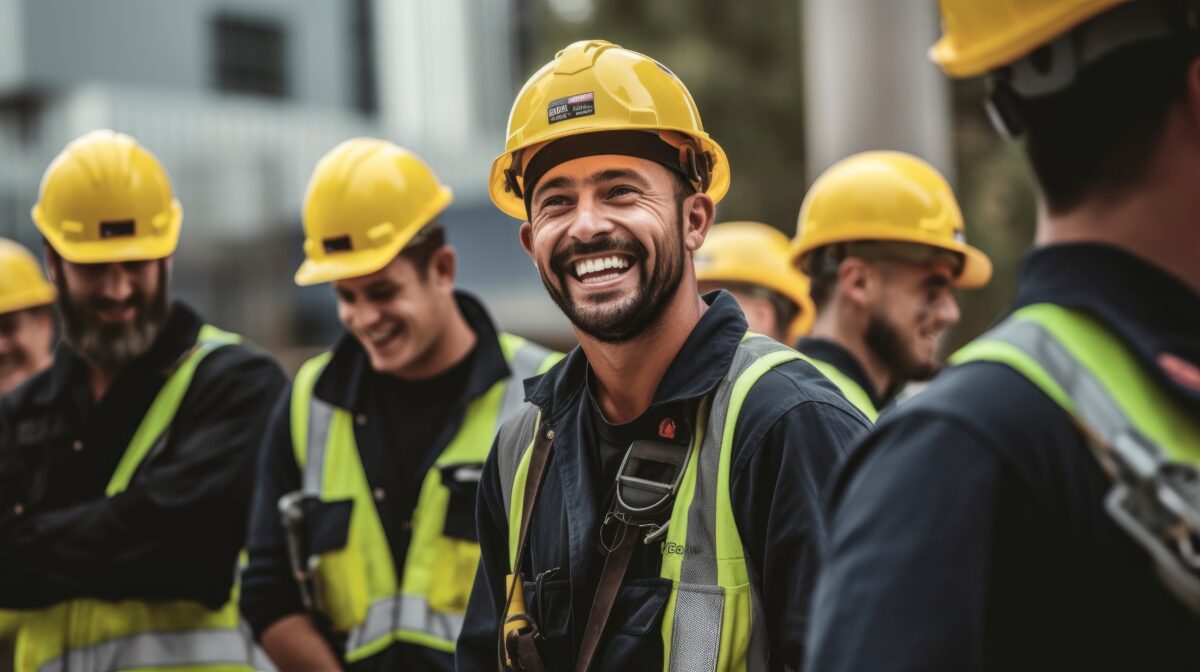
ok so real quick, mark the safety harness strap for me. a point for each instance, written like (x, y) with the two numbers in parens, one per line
(518, 651)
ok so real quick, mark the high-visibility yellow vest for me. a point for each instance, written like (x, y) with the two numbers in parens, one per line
(1143, 436)
(709, 624)
(1092, 375)
(92, 635)
(358, 586)
(853, 392)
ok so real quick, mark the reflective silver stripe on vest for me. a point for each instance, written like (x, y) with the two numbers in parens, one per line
(1093, 404)
(699, 606)
(187, 648)
(403, 613)
(514, 439)
(320, 417)
(524, 364)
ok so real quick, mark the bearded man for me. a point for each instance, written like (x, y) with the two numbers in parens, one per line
(881, 238)
(656, 503)
(126, 467)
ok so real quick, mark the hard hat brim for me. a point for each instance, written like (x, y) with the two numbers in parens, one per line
(42, 294)
(514, 207)
(346, 265)
(118, 249)
(977, 267)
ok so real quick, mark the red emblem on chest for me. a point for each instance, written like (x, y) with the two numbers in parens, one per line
(666, 428)
(1180, 370)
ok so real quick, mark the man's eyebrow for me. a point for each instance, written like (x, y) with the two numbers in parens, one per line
(553, 183)
(616, 174)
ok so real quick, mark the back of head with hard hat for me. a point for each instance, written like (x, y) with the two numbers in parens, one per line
(371, 229)
(110, 220)
(26, 322)
(881, 237)
(752, 261)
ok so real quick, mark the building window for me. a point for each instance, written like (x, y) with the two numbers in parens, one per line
(362, 40)
(249, 56)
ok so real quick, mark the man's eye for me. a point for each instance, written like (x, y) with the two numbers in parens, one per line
(381, 294)
(553, 201)
(621, 191)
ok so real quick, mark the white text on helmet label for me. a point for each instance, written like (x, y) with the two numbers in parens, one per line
(571, 107)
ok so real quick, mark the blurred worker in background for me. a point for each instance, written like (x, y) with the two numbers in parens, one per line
(126, 468)
(880, 236)
(752, 261)
(1036, 507)
(373, 456)
(26, 320)
(622, 511)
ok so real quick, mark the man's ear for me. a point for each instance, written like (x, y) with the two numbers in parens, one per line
(443, 266)
(698, 214)
(526, 236)
(855, 280)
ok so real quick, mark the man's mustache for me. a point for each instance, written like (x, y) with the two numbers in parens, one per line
(579, 248)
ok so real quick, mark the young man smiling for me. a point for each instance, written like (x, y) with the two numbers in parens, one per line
(126, 467)
(661, 485)
(881, 237)
(373, 456)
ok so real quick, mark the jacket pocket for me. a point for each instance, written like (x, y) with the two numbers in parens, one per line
(633, 636)
(457, 555)
(341, 568)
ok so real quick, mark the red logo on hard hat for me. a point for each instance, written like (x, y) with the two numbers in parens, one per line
(666, 428)
(1180, 370)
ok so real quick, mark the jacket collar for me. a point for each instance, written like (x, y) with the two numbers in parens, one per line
(697, 368)
(344, 381)
(1154, 313)
(841, 359)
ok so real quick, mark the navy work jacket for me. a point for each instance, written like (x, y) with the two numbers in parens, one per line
(969, 531)
(792, 430)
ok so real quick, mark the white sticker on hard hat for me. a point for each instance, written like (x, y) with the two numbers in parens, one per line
(571, 107)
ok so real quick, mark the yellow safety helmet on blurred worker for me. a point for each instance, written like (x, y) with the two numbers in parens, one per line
(595, 86)
(982, 35)
(753, 253)
(22, 284)
(886, 196)
(106, 199)
(366, 200)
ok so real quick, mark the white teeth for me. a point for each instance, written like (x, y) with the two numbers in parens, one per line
(601, 264)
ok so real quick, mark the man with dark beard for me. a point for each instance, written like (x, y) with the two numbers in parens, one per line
(126, 468)
(880, 235)
(656, 503)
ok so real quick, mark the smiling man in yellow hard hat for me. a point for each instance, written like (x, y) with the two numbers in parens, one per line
(125, 467)
(752, 261)
(656, 502)
(372, 458)
(1037, 506)
(880, 236)
(26, 321)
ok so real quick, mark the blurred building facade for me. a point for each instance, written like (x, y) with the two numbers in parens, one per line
(240, 98)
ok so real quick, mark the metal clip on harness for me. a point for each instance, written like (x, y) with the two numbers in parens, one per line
(647, 482)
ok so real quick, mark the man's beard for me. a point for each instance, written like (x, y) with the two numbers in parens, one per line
(112, 346)
(885, 339)
(626, 319)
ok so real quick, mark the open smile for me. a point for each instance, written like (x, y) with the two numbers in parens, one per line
(602, 270)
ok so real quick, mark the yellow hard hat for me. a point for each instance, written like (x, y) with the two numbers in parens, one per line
(754, 253)
(887, 196)
(22, 284)
(106, 199)
(596, 86)
(366, 200)
(982, 35)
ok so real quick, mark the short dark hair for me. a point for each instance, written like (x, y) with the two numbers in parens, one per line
(821, 266)
(1100, 133)
(784, 308)
(430, 239)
